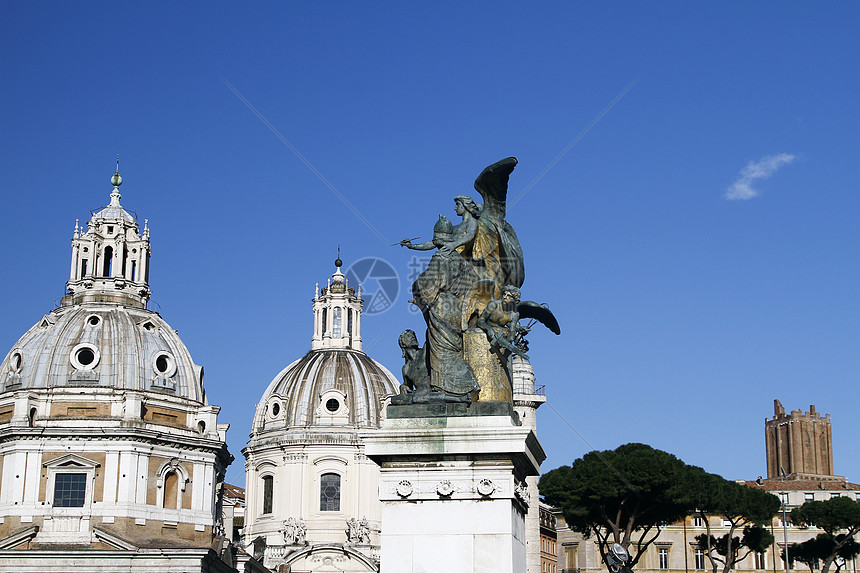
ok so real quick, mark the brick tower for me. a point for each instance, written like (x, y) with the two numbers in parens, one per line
(800, 443)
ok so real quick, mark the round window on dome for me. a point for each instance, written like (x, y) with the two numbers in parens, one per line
(84, 356)
(16, 361)
(332, 405)
(94, 320)
(276, 409)
(164, 364)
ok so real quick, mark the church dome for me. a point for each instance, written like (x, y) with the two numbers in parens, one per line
(327, 387)
(335, 384)
(114, 212)
(102, 345)
(102, 335)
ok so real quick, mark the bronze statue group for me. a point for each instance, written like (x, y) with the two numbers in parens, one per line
(469, 296)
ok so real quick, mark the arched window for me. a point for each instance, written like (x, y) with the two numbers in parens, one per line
(268, 493)
(171, 490)
(336, 322)
(108, 261)
(330, 492)
(349, 323)
(324, 320)
(171, 483)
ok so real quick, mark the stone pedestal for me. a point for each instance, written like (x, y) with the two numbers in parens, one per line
(452, 487)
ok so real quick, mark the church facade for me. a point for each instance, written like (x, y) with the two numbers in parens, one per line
(311, 492)
(799, 444)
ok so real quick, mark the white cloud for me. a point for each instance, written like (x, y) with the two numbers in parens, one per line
(742, 189)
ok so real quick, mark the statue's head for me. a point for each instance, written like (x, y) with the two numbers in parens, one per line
(443, 230)
(408, 340)
(511, 294)
(469, 204)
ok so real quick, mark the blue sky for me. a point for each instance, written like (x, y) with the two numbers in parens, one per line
(684, 312)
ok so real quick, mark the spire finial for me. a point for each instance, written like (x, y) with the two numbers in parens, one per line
(337, 262)
(116, 180)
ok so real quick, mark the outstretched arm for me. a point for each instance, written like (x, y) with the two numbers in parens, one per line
(427, 246)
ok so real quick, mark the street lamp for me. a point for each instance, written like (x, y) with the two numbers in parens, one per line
(783, 498)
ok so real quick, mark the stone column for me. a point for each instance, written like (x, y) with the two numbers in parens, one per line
(75, 257)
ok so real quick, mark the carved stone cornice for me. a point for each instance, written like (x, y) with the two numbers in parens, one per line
(145, 435)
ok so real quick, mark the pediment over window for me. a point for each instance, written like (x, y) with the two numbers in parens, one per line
(71, 462)
(324, 557)
(335, 459)
(265, 466)
(19, 537)
(113, 540)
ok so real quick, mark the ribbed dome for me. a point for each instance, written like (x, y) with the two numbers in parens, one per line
(112, 212)
(102, 345)
(326, 387)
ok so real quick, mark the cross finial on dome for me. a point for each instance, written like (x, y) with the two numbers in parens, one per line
(337, 262)
(116, 180)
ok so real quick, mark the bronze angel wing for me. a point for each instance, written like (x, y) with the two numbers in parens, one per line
(539, 312)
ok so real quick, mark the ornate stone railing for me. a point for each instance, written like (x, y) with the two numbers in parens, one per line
(275, 552)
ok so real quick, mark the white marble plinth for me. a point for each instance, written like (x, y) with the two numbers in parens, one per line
(453, 492)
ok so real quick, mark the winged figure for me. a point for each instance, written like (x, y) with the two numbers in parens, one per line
(496, 247)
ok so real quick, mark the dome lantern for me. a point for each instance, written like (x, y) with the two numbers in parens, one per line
(337, 314)
(110, 260)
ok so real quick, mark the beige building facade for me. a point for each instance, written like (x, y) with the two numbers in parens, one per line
(800, 442)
